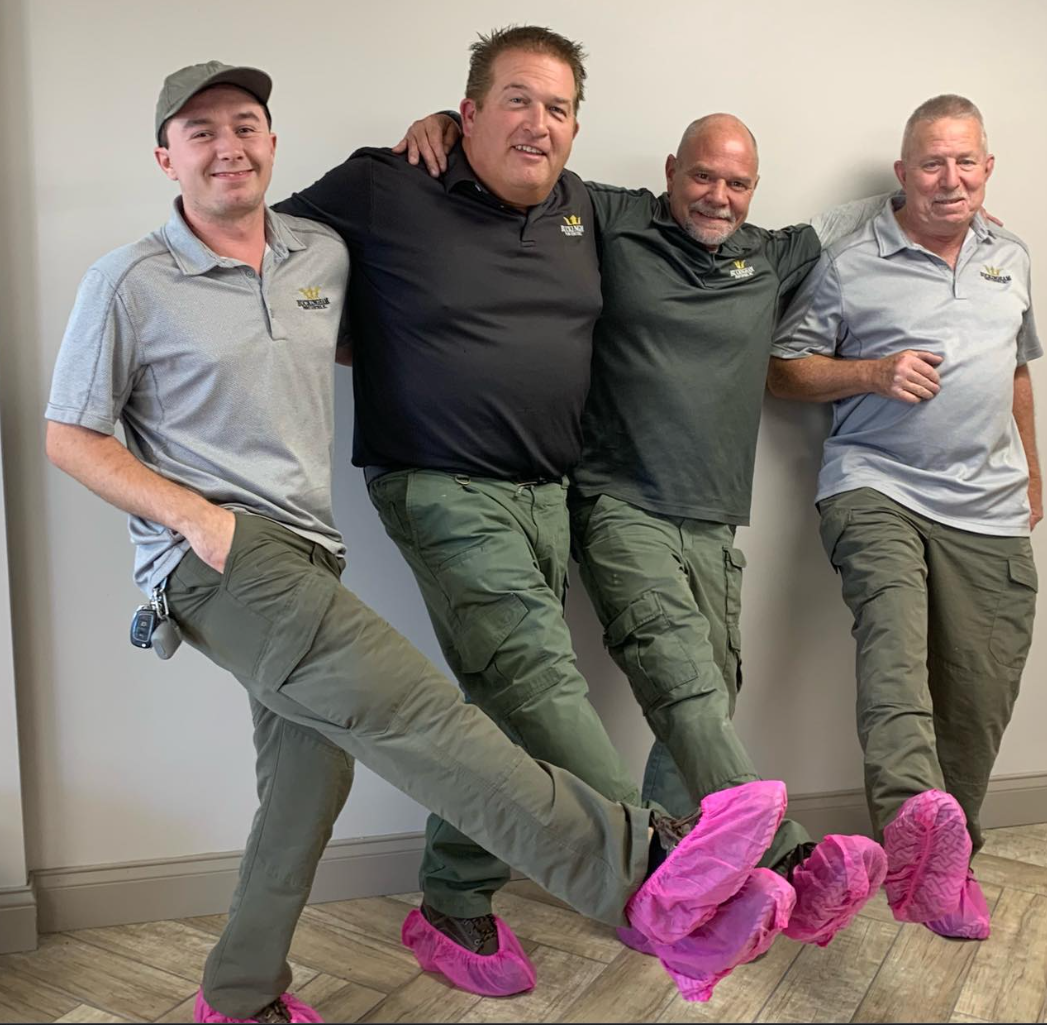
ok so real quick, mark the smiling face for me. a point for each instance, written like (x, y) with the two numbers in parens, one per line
(519, 139)
(944, 170)
(712, 179)
(220, 151)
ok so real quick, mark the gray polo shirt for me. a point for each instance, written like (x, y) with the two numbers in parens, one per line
(223, 380)
(956, 458)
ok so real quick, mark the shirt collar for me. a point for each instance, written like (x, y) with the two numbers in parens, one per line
(194, 257)
(891, 239)
(460, 173)
(742, 242)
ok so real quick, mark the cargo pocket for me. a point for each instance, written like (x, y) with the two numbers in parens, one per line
(834, 520)
(485, 628)
(1012, 625)
(640, 641)
(734, 563)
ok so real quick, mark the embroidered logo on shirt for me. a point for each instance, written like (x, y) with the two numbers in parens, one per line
(997, 274)
(741, 270)
(572, 226)
(313, 299)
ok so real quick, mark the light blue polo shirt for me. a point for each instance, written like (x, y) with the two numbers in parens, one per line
(956, 458)
(224, 380)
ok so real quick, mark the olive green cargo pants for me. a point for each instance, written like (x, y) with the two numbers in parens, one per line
(667, 591)
(331, 681)
(491, 558)
(943, 621)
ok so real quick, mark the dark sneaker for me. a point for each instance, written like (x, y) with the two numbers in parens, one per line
(478, 935)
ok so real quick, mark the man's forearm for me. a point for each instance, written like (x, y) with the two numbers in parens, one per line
(820, 378)
(1026, 421)
(106, 467)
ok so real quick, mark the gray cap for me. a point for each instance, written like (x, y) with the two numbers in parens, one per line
(185, 83)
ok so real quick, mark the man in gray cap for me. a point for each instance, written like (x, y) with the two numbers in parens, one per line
(212, 340)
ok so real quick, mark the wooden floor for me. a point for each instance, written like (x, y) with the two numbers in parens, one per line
(349, 964)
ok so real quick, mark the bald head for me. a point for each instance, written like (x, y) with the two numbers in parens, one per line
(712, 177)
(723, 128)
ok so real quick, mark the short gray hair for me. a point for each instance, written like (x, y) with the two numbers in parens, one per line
(938, 107)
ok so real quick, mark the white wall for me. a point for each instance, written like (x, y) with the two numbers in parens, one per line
(127, 758)
(12, 831)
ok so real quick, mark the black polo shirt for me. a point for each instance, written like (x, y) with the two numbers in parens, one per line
(471, 321)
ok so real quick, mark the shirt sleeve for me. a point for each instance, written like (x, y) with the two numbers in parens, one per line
(612, 205)
(341, 199)
(795, 252)
(1029, 347)
(98, 361)
(813, 324)
(840, 221)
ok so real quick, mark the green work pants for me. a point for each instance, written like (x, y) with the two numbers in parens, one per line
(345, 683)
(942, 622)
(668, 593)
(490, 558)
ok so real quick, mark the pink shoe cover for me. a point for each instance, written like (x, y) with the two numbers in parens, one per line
(832, 885)
(741, 930)
(203, 1011)
(928, 852)
(970, 919)
(635, 940)
(501, 974)
(711, 863)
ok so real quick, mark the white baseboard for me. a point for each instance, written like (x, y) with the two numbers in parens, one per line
(147, 891)
(18, 923)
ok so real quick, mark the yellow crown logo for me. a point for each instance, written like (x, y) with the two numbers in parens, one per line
(310, 293)
(993, 272)
(574, 219)
(739, 264)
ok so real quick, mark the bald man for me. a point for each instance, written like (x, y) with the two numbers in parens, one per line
(691, 293)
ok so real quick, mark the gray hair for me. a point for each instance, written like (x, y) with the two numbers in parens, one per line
(938, 107)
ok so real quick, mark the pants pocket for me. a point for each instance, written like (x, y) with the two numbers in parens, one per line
(1012, 625)
(734, 564)
(641, 642)
(485, 628)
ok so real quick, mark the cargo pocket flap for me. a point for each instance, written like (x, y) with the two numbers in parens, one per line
(293, 635)
(1023, 572)
(485, 630)
(630, 619)
(737, 557)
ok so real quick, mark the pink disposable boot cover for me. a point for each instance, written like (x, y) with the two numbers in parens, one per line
(741, 930)
(636, 940)
(928, 852)
(711, 863)
(507, 971)
(832, 885)
(299, 1012)
(970, 919)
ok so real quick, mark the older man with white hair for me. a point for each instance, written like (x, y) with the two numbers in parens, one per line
(919, 328)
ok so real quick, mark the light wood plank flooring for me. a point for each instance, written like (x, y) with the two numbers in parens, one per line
(349, 964)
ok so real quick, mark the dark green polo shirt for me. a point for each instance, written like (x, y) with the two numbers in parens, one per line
(680, 357)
